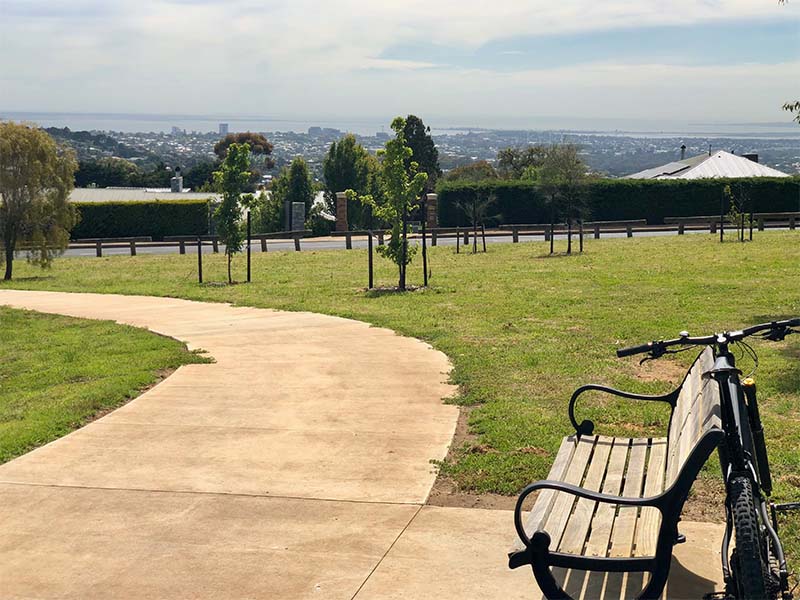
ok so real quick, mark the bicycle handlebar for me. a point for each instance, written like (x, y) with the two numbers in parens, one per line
(659, 347)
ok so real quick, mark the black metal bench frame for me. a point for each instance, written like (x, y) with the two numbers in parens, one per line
(669, 503)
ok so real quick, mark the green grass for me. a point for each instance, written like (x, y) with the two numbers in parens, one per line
(523, 329)
(57, 373)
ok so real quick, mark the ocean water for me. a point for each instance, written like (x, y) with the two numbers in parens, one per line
(135, 123)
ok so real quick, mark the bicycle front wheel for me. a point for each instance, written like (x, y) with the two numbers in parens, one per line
(749, 561)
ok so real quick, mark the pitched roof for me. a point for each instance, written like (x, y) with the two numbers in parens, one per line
(134, 195)
(720, 164)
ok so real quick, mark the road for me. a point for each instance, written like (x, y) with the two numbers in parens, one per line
(338, 243)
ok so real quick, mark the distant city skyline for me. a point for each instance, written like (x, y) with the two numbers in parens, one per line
(462, 63)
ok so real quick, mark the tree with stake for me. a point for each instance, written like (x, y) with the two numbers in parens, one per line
(36, 177)
(400, 189)
(231, 180)
(475, 207)
(562, 179)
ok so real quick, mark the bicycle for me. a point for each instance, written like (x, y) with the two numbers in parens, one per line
(756, 568)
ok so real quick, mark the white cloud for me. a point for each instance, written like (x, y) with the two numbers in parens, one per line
(314, 56)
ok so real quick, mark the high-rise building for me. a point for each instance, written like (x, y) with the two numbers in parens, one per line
(223, 129)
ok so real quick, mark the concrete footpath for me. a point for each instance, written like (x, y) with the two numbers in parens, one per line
(295, 466)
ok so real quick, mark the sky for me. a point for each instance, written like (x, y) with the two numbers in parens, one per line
(468, 61)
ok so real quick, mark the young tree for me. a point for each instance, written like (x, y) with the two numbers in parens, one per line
(562, 179)
(346, 166)
(231, 181)
(36, 177)
(400, 187)
(475, 207)
(423, 150)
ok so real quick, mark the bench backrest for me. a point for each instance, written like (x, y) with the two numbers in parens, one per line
(697, 410)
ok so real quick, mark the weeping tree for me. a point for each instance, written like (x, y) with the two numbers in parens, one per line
(36, 177)
(400, 184)
(231, 181)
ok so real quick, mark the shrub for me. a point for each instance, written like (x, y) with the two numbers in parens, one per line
(154, 218)
(620, 199)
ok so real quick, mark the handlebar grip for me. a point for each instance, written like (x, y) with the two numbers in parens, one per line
(622, 352)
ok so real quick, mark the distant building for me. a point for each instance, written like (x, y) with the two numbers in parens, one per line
(382, 135)
(703, 166)
(223, 129)
(123, 194)
(178, 131)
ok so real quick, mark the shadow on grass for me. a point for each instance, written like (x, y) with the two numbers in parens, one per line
(379, 292)
(558, 255)
(25, 279)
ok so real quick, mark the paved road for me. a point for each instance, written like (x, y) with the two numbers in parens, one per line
(314, 244)
(296, 466)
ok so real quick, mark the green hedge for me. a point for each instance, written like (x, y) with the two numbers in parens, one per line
(156, 218)
(619, 199)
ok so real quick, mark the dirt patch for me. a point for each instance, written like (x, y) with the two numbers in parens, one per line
(659, 370)
(706, 502)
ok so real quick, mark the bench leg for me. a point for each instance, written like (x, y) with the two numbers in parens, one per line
(540, 544)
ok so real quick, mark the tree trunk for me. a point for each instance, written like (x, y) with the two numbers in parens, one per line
(474, 234)
(229, 267)
(9, 250)
(569, 235)
(552, 227)
(404, 253)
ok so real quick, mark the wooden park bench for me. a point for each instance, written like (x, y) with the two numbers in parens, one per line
(712, 222)
(118, 242)
(790, 218)
(612, 504)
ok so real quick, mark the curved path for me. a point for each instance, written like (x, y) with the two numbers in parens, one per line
(296, 466)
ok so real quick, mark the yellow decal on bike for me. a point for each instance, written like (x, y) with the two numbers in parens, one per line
(749, 381)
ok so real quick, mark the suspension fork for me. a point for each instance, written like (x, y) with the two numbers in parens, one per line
(757, 429)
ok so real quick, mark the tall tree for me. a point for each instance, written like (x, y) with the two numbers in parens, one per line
(346, 166)
(562, 179)
(294, 184)
(516, 163)
(231, 181)
(260, 148)
(401, 183)
(36, 177)
(423, 150)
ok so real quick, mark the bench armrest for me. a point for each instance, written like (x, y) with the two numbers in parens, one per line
(575, 490)
(586, 427)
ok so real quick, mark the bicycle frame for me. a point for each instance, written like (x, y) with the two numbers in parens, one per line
(742, 452)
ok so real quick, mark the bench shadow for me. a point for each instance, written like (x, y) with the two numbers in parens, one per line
(683, 584)
(31, 278)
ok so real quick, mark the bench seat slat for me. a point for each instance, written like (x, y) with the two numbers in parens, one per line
(650, 518)
(563, 502)
(603, 521)
(581, 517)
(625, 523)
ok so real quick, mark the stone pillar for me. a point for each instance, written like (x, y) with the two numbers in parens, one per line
(432, 207)
(341, 211)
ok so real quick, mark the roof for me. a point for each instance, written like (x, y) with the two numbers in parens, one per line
(135, 195)
(702, 166)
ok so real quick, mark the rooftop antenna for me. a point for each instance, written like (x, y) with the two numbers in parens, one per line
(683, 151)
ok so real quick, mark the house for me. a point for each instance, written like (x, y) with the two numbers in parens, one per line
(720, 164)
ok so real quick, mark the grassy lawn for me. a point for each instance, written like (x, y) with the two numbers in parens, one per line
(57, 373)
(523, 329)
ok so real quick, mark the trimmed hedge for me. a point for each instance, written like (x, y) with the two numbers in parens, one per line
(621, 199)
(156, 218)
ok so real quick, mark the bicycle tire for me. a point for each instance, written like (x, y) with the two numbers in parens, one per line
(747, 560)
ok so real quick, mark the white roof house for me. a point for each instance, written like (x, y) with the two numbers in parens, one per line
(704, 166)
(122, 194)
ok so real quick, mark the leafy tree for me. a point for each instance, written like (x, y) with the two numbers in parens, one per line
(476, 171)
(231, 181)
(563, 179)
(400, 187)
(346, 166)
(516, 163)
(36, 177)
(294, 184)
(423, 150)
(260, 148)
(200, 175)
(794, 108)
(106, 172)
(267, 213)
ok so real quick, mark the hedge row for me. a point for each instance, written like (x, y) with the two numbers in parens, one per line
(154, 218)
(621, 199)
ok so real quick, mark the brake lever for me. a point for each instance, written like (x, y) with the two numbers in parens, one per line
(657, 352)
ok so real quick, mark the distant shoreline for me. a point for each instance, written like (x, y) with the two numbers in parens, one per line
(152, 123)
